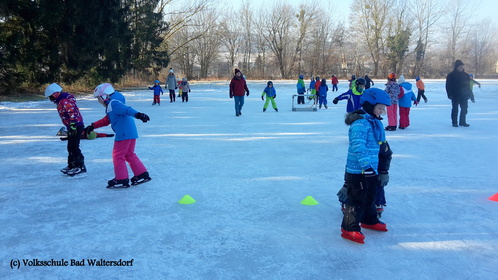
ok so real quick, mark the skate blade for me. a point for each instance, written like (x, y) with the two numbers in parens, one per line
(77, 176)
(141, 182)
(345, 236)
(118, 187)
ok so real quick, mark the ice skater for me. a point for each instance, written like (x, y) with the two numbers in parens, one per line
(405, 102)
(271, 94)
(158, 91)
(120, 117)
(238, 87)
(365, 134)
(353, 96)
(72, 119)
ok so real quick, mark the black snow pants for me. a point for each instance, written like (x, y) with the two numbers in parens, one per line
(360, 205)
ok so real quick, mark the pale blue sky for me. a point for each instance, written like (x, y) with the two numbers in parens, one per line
(486, 8)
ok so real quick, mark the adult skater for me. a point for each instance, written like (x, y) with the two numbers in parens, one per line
(458, 91)
(238, 87)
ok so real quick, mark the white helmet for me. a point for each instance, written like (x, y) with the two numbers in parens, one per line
(103, 90)
(51, 89)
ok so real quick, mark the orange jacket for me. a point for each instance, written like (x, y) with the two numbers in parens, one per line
(420, 85)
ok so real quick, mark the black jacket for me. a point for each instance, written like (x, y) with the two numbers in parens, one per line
(458, 84)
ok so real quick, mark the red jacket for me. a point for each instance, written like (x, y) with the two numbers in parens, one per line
(335, 81)
(238, 86)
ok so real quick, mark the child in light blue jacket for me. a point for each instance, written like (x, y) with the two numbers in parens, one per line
(405, 102)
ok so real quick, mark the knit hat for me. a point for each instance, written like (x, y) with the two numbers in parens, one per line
(301, 76)
(171, 70)
(237, 71)
(401, 79)
(458, 62)
(417, 78)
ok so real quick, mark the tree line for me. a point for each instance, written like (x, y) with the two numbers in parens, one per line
(89, 41)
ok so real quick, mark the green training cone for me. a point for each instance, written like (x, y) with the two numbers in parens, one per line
(309, 200)
(187, 199)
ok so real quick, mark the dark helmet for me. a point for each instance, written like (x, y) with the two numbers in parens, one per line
(360, 81)
(269, 83)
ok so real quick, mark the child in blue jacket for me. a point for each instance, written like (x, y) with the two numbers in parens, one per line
(271, 94)
(366, 133)
(157, 91)
(322, 93)
(353, 96)
(405, 102)
(120, 117)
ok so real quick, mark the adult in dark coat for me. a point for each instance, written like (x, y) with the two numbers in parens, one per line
(238, 87)
(369, 82)
(458, 90)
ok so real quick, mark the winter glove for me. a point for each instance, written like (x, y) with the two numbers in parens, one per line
(89, 129)
(383, 179)
(231, 95)
(369, 172)
(343, 194)
(143, 117)
(335, 101)
(262, 98)
(275, 96)
(473, 100)
(415, 103)
(72, 131)
(247, 94)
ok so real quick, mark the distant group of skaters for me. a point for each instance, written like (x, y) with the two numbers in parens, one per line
(369, 155)
(172, 84)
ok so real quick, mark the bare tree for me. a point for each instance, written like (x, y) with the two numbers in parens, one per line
(306, 18)
(481, 46)
(206, 46)
(247, 19)
(275, 25)
(426, 14)
(370, 19)
(230, 37)
(459, 16)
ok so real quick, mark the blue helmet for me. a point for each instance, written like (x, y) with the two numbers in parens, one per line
(375, 96)
(301, 76)
(156, 82)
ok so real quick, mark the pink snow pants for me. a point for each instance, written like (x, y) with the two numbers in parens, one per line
(392, 115)
(404, 117)
(124, 151)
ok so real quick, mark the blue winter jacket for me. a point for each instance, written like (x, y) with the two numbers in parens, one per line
(353, 100)
(408, 97)
(121, 117)
(312, 85)
(270, 91)
(157, 89)
(323, 90)
(301, 88)
(365, 136)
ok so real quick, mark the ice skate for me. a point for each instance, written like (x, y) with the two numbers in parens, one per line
(354, 236)
(380, 226)
(118, 184)
(65, 170)
(77, 172)
(142, 178)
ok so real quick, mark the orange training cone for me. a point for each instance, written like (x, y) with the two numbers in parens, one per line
(494, 197)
